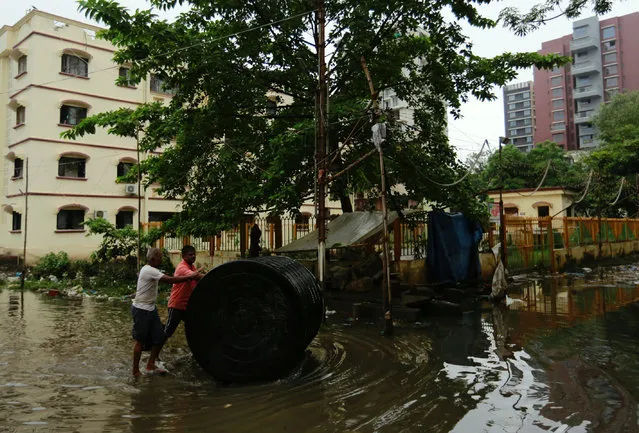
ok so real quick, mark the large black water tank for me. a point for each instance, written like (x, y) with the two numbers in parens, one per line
(253, 319)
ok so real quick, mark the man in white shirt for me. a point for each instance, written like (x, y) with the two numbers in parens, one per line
(147, 326)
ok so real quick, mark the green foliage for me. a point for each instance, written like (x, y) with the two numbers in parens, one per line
(526, 170)
(166, 266)
(118, 243)
(617, 156)
(227, 151)
(618, 120)
(539, 14)
(52, 264)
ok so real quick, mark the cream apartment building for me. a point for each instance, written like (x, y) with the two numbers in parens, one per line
(53, 73)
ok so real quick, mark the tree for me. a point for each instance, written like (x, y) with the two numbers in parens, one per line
(118, 244)
(546, 162)
(617, 123)
(227, 149)
(523, 23)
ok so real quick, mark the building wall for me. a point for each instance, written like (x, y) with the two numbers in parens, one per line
(42, 90)
(627, 35)
(548, 90)
(556, 199)
(604, 63)
(519, 110)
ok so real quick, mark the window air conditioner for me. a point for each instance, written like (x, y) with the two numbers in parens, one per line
(130, 188)
(100, 214)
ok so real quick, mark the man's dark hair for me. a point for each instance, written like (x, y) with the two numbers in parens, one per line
(188, 249)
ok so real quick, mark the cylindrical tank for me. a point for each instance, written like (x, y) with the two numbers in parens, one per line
(251, 320)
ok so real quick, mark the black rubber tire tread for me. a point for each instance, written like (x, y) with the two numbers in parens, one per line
(251, 320)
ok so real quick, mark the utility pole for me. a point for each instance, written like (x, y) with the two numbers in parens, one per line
(379, 133)
(137, 149)
(26, 217)
(320, 143)
(502, 219)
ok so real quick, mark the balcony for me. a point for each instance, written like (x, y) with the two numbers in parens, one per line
(583, 43)
(588, 142)
(586, 67)
(585, 106)
(586, 130)
(587, 91)
(584, 116)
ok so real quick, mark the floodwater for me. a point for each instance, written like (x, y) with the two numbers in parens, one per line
(562, 357)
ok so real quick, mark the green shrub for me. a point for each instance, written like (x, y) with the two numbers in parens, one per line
(52, 264)
(166, 266)
(83, 268)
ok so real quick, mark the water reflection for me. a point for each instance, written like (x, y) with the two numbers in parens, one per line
(561, 357)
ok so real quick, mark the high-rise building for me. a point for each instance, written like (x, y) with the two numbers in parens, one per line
(53, 73)
(519, 113)
(605, 62)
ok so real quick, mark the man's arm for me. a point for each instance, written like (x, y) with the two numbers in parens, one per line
(180, 278)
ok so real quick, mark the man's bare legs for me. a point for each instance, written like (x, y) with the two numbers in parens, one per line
(155, 352)
(137, 354)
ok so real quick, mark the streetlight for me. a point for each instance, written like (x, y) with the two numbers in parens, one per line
(502, 224)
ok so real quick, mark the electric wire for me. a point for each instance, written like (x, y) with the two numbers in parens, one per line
(586, 189)
(540, 183)
(623, 179)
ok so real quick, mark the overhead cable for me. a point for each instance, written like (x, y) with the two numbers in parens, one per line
(623, 179)
(586, 190)
(470, 169)
(540, 183)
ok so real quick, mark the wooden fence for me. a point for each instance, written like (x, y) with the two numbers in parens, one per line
(408, 238)
(530, 241)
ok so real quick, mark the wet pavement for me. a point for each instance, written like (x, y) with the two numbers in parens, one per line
(561, 357)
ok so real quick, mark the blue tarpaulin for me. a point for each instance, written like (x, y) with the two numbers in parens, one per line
(452, 253)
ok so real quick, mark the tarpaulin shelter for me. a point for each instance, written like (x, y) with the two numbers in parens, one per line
(349, 229)
(452, 252)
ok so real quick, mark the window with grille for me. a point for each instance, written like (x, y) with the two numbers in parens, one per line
(16, 221)
(75, 65)
(70, 219)
(125, 76)
(72, 115)
(72, 167)
(158, 85)
(22, 65)
(123, 168)
(18, 165)
(20, 115)
(124, 218)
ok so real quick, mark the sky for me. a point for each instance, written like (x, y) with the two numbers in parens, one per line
(481, 120)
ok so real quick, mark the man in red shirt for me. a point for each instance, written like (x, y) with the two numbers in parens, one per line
(181, 292)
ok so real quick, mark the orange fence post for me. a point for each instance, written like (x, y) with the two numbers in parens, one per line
(551, 245)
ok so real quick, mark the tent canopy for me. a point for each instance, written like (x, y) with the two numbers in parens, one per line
(353, 228)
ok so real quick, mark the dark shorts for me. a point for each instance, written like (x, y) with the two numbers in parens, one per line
(173, 320)
(147, 327)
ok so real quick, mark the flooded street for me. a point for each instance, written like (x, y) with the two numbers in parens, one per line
(562, 357)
